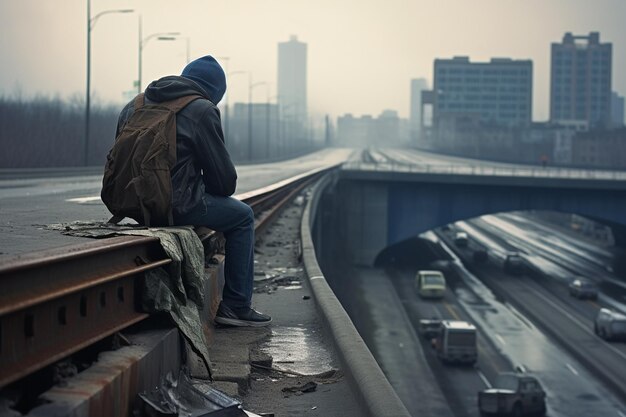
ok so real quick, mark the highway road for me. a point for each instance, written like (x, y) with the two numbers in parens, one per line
(28, 205)
(543, 299)
(386, 310)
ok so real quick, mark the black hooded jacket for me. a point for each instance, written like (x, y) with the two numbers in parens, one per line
(202, 161)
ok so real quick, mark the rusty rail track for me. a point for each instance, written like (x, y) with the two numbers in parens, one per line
(57, 302)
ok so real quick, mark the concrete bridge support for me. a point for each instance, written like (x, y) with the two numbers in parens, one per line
(375, 213)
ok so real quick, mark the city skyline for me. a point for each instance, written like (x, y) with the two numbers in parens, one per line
(362, 55)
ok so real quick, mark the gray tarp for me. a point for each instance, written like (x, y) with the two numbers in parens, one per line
(176, 289)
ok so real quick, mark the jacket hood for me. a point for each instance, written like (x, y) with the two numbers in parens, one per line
(208, 73)
(172, 87)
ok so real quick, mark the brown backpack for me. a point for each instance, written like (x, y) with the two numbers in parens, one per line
(137, 181)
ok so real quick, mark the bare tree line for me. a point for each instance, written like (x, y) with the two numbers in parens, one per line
(49, 132)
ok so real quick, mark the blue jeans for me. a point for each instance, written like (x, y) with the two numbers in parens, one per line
(235, 220)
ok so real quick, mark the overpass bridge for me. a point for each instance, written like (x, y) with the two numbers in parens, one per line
(391, 195)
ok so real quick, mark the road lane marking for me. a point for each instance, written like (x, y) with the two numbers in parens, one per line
(571, 368)
(501, 339)
(483, 354)
(577, 323)
(621, 414)
(316, 277)
(82, 200)
(484, 378)
(451, 310)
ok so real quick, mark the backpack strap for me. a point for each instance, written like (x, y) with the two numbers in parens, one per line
(139, 102)
(178, 104)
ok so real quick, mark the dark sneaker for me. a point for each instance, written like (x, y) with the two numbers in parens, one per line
(247, 317)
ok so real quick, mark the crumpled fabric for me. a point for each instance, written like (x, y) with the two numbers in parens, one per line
(177, 288)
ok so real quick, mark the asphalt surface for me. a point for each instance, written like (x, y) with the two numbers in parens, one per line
(28, 205)
(548, 323)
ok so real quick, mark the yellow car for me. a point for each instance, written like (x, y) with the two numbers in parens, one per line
(430, 284)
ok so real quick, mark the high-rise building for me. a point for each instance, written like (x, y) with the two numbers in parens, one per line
(498, 92)
(417, 86)
(617, 110)
(292, 80)
(580, 81)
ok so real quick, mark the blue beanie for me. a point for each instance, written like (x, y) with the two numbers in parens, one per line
(207, 72)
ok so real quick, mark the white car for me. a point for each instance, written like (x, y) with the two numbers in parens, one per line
(610, 325)
(461, 239)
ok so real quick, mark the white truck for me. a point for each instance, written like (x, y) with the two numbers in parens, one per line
(456, 342)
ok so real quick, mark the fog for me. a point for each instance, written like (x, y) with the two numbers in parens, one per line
(361, 53)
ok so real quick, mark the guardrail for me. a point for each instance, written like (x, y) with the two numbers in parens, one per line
(481, 170)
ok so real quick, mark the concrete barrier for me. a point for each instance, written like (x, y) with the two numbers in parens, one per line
(369, 384)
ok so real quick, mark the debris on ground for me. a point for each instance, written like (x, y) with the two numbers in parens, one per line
(301, 389)
(187, 397)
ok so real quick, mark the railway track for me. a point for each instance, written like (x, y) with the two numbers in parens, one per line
(57, 302)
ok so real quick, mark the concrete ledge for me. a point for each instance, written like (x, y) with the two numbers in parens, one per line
(369, 383)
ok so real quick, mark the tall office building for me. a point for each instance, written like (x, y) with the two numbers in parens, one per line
(417, 86)
(292, 79)
(497, 92)
(580, 81)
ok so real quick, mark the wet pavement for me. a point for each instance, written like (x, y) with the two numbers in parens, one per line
(556, 255)
(27, 205)
(293, 367)
(571, 389)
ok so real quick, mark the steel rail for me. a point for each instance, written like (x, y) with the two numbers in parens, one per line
(57, 302)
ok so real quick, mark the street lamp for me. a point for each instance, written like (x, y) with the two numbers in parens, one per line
(250, 88)
(91, 23)
(175, 38)
(162, 36)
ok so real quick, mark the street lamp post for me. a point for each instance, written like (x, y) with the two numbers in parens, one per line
(91, 23)
(250, 88)
(162, 36)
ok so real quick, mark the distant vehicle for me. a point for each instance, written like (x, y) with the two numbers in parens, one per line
(429, 328)
(456, 342)
(610, 325)
(461, 239)
(430, 284)
(513, 394)
(514, 264)
(583, 288)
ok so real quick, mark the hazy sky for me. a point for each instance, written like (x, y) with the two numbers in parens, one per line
(362, 53)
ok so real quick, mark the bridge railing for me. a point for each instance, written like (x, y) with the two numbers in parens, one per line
(485, 170)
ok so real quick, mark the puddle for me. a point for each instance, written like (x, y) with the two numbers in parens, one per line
(297, 349)
(292, 287)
